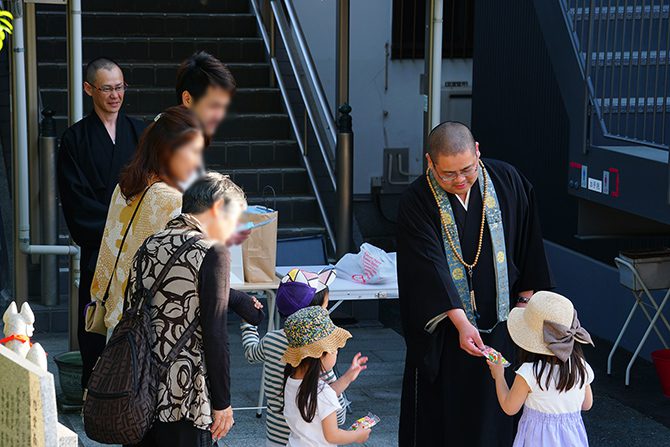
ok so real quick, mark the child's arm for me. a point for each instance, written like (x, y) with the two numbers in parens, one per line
(337, 436)
(254, 350)
(358, 364)
(588, 399)
(512, 400)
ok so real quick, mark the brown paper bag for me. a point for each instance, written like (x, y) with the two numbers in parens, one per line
(259, 251)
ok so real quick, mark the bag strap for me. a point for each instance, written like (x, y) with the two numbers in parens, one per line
(164, 271)
(164, 366)
(190, 330)
(123, 241)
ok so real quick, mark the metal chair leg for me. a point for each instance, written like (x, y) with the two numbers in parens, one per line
(623, 329)
(646, 334)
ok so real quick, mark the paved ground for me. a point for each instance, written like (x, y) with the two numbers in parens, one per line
(627, 417)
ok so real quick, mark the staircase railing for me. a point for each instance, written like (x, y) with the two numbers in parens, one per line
(311, 92)
(622, 47)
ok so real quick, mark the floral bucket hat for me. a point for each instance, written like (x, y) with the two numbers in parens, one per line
(310, 333)
(298, 287)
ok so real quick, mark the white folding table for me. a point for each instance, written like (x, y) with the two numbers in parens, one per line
(340, 291)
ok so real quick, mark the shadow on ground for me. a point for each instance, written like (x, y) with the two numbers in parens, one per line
(628, 417)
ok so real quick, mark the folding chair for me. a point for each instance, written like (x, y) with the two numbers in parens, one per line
(636, 280)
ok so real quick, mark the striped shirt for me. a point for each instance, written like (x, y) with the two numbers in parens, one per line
(269, 351)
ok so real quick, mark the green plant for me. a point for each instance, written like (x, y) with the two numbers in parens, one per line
(6, 26)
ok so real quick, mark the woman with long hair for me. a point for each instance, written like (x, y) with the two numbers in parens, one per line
(147, 197)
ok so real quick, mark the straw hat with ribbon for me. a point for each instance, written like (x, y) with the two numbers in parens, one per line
(298, 287)
(547, 325)
(310, 332)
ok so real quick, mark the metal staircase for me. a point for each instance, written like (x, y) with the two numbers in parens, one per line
(256, 145)
(610, 61)
(623, 50)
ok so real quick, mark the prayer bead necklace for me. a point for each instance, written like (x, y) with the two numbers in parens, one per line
(470, 267)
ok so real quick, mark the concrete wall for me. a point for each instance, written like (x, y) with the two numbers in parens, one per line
(602, 302)
(382, 118)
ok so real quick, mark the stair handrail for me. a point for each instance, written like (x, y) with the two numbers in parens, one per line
(314, 76)
(294, 123)
(585, 59)
(317, 121)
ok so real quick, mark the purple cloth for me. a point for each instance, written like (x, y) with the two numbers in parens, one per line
(550, 430)
(293, 296)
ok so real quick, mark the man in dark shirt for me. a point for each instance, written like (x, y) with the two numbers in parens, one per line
(206, 86)
(92, 153)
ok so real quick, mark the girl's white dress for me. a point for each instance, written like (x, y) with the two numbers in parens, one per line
(551, 418)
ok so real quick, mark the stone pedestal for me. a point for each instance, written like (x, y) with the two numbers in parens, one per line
(28, 416)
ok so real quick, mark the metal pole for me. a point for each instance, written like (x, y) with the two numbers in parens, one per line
(432, 81)
(74, 302)
(345, 180)
(20, 147)
(434, 94)
(345, 139)
(21, 177)
(342, 81)
(49, 207)
(74, 67)
(32, 93)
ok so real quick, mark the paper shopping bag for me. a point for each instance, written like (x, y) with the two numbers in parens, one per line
(259, 251)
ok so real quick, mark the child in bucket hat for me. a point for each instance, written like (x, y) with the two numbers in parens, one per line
(553, 382)
(310, 404)
(297, 289)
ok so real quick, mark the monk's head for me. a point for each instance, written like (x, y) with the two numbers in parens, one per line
(453, 156)
(105, 85)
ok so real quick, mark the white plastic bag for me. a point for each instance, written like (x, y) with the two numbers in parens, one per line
(371, 265)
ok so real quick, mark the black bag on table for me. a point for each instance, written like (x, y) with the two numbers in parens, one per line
(120, 405)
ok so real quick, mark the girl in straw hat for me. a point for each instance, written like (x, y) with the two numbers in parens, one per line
(310, 404)
(553, 381)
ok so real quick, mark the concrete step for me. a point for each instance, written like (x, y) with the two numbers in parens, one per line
(147, 24)
(157, 74)
(293, 209)
(182, 6)
(256, 127)
(284, 180)
(617, 58)
(299, 229)
(241, 127)
(259, 153)
(639, 105)
(151, 100)
(155, 49)
(620, 12)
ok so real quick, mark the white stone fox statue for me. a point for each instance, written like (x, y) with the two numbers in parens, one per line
(18, 330)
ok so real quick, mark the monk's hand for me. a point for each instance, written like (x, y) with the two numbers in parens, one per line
(468, 335)
(470, 340)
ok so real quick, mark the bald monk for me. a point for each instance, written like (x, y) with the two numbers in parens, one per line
(458, 279)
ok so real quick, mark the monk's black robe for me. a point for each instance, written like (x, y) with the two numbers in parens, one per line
(448, 396)
(88, 167)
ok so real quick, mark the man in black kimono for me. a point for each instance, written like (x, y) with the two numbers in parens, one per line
(91, 155)
(457, 280)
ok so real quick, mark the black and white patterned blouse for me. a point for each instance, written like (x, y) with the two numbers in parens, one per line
(197, 286)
